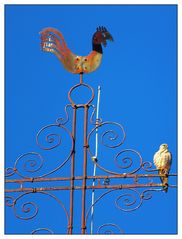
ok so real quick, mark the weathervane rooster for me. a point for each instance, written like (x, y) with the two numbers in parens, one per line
(53, 41)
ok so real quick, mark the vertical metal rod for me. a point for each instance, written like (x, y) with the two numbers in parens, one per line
(96, 155)
(81, 78)
(83, 227)
(70, 229)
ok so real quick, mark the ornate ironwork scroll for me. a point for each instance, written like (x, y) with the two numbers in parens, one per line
(124, 173)
(109, 228)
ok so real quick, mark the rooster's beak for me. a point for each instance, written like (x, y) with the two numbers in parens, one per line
(107, 36)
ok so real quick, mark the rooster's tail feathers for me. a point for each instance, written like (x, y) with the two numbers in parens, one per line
(53, 41)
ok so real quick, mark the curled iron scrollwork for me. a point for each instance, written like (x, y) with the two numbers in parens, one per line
(28, 163)
(38, 230)
(32, 162)
(30, 209)
(109, 138)
(111, 135)
(127, 160)
(9, 172)
(124, 160)
(112, 139)
(61, 120)
(96, 121)
(128, 202)
(147, 166)
(9, 201)
(53, 140)
(146, 194)
(109, 228)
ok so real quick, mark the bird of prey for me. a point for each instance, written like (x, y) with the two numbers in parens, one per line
(162, 161)
(53, 41)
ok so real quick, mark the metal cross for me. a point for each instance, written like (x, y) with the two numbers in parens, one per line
(30, 166)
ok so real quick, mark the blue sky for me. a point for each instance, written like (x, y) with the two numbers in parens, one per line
(139, 90)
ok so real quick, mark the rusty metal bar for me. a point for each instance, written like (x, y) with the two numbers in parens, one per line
(26, 180)
(83, 226)
(81, 78)
(118, 186)
(72, 172)
(49, 39)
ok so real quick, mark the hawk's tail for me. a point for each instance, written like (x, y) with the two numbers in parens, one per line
(165, 188)
(164, 180)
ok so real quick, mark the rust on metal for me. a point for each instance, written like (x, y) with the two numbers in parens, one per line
(149, 172)
(53, 41)
(83, 188)
(32, 163)
(72, 172)
(88, 177)
(85, 146)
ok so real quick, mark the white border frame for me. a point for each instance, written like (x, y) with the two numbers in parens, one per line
(129, 2)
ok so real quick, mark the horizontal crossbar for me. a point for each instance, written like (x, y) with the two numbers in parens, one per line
(88, 177)
(119, 186)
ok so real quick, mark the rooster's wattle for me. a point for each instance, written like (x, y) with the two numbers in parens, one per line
(53, 41)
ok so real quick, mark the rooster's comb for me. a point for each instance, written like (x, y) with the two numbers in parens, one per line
(101, 29)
